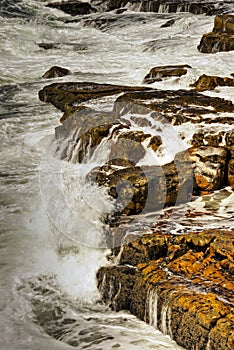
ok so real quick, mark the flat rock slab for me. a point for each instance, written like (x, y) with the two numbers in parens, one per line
(62, 94)
(178, 106)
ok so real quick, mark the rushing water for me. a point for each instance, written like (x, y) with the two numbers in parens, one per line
(48, 289)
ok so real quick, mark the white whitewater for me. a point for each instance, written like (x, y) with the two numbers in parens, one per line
(51, 219)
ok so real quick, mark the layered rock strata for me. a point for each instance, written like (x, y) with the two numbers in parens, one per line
(182, 285)
(222, 36)
(165, 6)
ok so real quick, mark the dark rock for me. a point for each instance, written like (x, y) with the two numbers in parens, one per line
(62, 94)
(155, 142)
(55, 72)
(157, 73)
(207, 82)
(114, 289)
(177, 107)
(216, 42)
(119, 11)
(224, 24)
(221, 38)
(73, 7)
(168, 23)
(166, 6)
(74, 46)
(231, 172)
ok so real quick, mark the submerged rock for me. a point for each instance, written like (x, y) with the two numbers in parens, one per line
(157, 73)
(222, 36)
(207, 82)
(55, 72)
(182, 285)
(168, 23)
(73, 7)
(74, 46)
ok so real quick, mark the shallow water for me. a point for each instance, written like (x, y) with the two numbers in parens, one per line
(48, 289)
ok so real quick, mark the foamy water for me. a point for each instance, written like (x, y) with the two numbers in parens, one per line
(51, 219)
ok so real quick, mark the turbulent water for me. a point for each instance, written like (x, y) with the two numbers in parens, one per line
(51, 227)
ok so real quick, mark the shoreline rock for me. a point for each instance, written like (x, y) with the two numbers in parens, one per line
(208, 82)
(222, 36)
(165, 6)
(65, 94)
(182, 285)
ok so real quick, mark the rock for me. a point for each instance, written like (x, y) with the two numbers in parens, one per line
(157, 73)
(73, 7)
(115, 294)
(146, 188)
(168, 23)
(231, 173)
(84, 130)
(209, 167)
(74, 46)
(128, 148)
(224, 23)
(207, 82)
(55, 72)
(165, 6)
(222, 335)
(180, 284)
(155, 142)
(177, 107)
(221, 38)
(216, 42)
(62, 94)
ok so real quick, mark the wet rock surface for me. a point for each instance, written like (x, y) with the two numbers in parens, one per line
(180, 283)
(207, 82)
(178, 106)
(62, 94)
(146, 188)
(55, 72)
(193, 6)
(73, 7)
(222, 36)
(63, 45)
(158, 73)
(183, 285)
